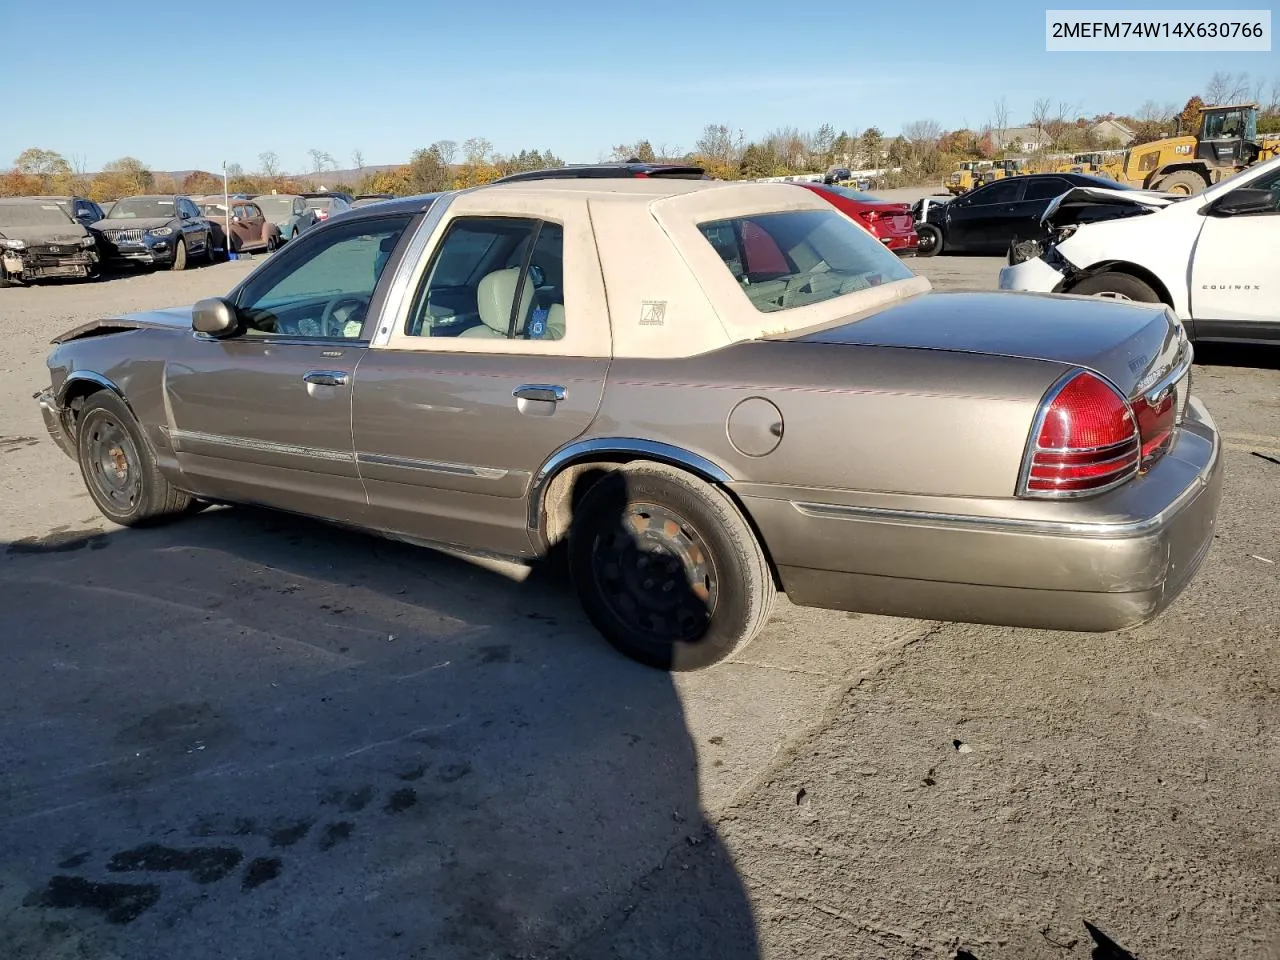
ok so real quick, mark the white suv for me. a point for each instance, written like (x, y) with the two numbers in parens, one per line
(1213, 257)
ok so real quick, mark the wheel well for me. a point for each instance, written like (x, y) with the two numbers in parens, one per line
(1123, 266)
(565, 491)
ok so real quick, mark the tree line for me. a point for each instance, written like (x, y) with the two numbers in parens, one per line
(921, 152)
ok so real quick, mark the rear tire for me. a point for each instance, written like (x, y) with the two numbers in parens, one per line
(930, 240)
(179, 255)
(1116, 286)
(118, 467)
(210, 255)
(667, 569)
(1184, 183)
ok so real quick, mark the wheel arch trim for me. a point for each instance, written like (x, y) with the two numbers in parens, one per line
(596, 448)
(1137, 271)
(88, 376)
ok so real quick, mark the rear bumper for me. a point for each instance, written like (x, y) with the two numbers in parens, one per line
(1116, 568)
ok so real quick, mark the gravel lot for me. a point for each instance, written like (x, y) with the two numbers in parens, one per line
(253, 736)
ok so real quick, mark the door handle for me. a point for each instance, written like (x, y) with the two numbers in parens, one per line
(326, 378)
(539, 391)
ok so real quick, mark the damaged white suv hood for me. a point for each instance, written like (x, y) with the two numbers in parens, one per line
(1068, 208)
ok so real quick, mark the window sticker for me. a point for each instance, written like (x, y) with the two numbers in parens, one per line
(653, 313)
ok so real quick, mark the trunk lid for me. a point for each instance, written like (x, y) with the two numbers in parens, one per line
(1133, 345)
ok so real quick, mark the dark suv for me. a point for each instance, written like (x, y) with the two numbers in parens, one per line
(632, 168)
(155, 230)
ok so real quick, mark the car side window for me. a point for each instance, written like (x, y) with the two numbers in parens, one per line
(323, 290)
(1002, 191)
(494, 278)
(1046, 189)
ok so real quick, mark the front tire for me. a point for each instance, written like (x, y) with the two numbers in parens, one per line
(118, 467)
(930, 240)
(1182, 183)
(1116, 286)
(667, 569)
(179, 255)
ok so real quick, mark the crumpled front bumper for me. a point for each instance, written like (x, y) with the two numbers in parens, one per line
(54, 422)
(1034, 276)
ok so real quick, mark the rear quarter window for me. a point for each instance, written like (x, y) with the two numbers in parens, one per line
(800, 257)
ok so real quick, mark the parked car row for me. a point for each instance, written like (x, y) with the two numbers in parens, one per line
(50, 237)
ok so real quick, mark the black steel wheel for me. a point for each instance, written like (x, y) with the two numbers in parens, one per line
(118, 467)
(667, 569)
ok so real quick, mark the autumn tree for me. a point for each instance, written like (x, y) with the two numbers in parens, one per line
(48, 166)
(199, 183)
(426, 172)
(1189, 118)
(125, 177)
(15, 183)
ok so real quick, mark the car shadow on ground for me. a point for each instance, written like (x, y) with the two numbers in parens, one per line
(252, 732)
(1238, 355)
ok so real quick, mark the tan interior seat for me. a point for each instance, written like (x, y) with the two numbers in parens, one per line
(494, 297)
(555, 322)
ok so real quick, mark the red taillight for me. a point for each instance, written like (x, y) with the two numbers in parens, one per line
(1087, 441)
(1155, 423)
(322, 214)
(870, 216)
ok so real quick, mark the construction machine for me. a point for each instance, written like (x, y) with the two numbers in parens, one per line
(964, 177)
(1225, 142)
(1002, 169)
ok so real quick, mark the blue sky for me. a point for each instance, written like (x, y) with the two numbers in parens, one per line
(575, 76)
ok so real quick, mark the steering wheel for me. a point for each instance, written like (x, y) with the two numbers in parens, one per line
(329, 325)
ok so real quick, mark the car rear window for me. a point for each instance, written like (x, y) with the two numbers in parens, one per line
(800, 257)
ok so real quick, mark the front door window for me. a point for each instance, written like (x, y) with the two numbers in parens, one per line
(325, 292)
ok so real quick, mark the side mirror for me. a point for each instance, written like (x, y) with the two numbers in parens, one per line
(214, 316)
(1244, 201)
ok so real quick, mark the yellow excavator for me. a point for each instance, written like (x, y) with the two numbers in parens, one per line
(1225, 143)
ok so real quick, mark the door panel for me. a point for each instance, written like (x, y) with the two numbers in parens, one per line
(1233, 268)
(246, 426)
(447, 451)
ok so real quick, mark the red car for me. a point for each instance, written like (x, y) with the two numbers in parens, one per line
(890, 223)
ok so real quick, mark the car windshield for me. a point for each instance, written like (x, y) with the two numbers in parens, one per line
(318, 203)
(32, 215)
(141, 208)
(853, 194)
(800, 257)
(213, 209)
(276, 206)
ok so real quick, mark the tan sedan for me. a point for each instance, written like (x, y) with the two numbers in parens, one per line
(700, 393)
